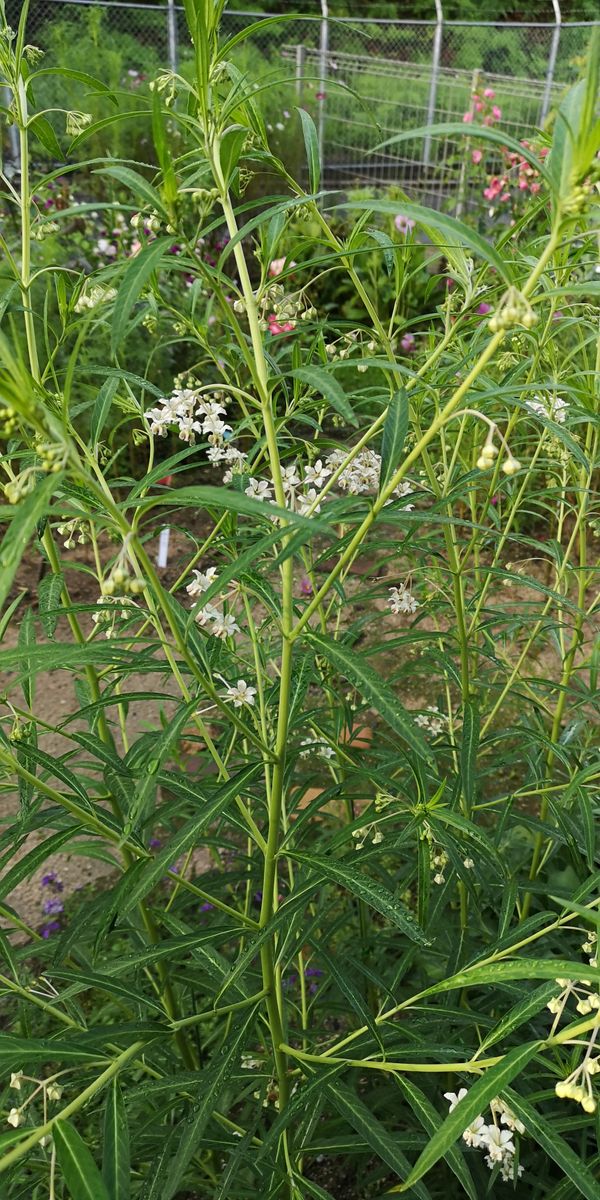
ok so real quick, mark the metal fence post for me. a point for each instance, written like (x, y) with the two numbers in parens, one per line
(435, 70)
(300, 62)
(172, 34)
(323, 52)
(551, 61)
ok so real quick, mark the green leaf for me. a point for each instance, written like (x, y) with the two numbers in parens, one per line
(522, 1012)
(34, 859)
(375, 1134)
(168, 1168)
(116, 1168)
(231, 145)
(395, 430)
(472, 1105)
(158, 867)
(323, 382)
(45, 134)
(555, 1147)
(135, 277)
(430, 1120)
(480, 132)
(222, 497)
(22, 526)
(82, 76)
(102, 406)
(469, 749)
(79, 1170)
(386, 244)
(136, 184)
(451, 229)
(373, 894)
(49, 596)
(373, 688)
(311, 144)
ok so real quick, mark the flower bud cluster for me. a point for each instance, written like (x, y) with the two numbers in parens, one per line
(514, 309)
(578, 1085)
(579, 198)
(9, 421)
(110, 610)
(98, 294)
(489, 453)
(76, 122)
(49, 1090)
(120, 581)
(75, 528)
(146, 222)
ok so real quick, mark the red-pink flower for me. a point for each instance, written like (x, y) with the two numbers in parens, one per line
(320, 95)
(467, 118)
(489, 93)
(496, 112)
(477, 156)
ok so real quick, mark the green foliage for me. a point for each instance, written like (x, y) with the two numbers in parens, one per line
(337, 758)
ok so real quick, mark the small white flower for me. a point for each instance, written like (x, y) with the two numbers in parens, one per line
(224, 624)
(468, 863)
(317, 475)
(15, 1118)
(241, 693)
(498, 1142)
(290, 477)
(202, 581)
(53, 1091)
(259, 489)
(473, 1135)
(454, 1098)
(402, 600)
(16, 1079)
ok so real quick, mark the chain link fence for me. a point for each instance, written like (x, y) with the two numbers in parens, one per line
(362, 80)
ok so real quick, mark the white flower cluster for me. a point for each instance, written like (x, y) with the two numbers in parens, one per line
(95, 296)
(191, 414)
(578, 1086)
(433, 721)
(498, 1143)
(549, 406)
(219, 623)
(402, 600)
(315, 746)
(361, 476)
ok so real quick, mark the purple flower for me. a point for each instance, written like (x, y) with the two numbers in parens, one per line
(305, 587)
(309, 972)
(53, 907)
(408, 343)
(206, 907)
(154, 843)
(484, 308)
(50, 928)
(52, 880)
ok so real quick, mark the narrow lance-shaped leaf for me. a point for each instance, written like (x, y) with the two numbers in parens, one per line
(134, 280)
(394, 434)
(78, 1168)
(323, 382)
(116, 1170)
(311, 143)
(372, 687)
(373, 894)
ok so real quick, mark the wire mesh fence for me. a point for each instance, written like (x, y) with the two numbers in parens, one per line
(362, 80)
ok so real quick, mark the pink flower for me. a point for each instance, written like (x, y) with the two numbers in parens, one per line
(403, 224)
(489, 93)
(407, 341)
(320, 95)
(467, 118)
(477, 156)
(535, 187)
(478, 106)
(496, 112)
(484, 308)
(278, 265)
(275, 327)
